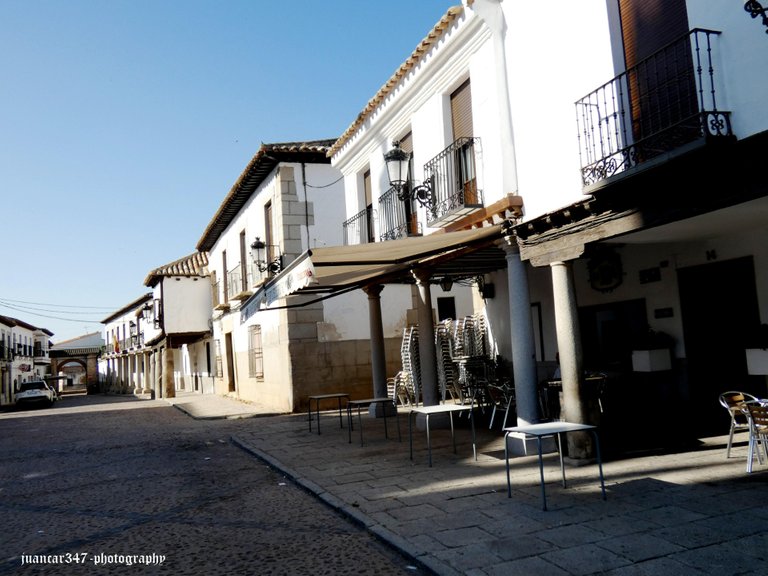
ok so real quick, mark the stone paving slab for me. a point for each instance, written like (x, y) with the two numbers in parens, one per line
(690, 512)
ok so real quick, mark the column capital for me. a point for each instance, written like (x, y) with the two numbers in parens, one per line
(373, 290)
(422, 275)
(509, 245)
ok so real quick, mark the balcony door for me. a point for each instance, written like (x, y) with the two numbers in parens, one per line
(464, 161)
(659, 63)
(719, 310)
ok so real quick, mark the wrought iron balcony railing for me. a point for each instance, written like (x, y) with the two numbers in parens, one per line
(359, 228)
(218, 297)
(452, 179)
(397, 217)
(663, 103)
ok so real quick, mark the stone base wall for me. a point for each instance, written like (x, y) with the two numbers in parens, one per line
(341, 366)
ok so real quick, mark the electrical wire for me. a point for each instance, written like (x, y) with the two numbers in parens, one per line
(27, 310)
(326, 185)
(56, 305)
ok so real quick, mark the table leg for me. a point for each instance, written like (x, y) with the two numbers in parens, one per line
(397, 421)
(360, 424)
(341, 422)
(349, 422)
(541, 475)
(506, 459)
(317, 411)
(386, 434)
(410, 432)
(560, 450)
(474, 442)
(309, 415)
(429, 441)
(453, 435)
(599, 462)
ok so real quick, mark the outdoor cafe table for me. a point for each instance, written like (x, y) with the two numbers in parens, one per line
(367, 402)
(440, 409)
(316, 399)
(544, 430)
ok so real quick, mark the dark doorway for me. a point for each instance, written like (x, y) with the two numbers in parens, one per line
(446, 308)
(607, 334)
(719, 310)
(230, 362)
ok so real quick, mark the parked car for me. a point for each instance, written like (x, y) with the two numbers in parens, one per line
(35, 392)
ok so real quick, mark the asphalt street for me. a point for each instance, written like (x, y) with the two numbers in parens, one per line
(111, 485)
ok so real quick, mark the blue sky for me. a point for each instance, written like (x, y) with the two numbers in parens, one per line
(124, 123)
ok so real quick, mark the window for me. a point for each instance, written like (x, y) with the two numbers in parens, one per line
(225, 280)
(368, 205)
(268, 232)
(243, 268)
(255, 352)
(219, 363)
(446, 308)
(461, 123)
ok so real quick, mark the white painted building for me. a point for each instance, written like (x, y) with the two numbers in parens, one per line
(160, 343)
(287, 202)
(616, 148)
(126, 364)
(24, 355)
(180, 334)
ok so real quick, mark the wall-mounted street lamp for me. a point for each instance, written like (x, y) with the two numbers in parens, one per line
(398, 163)
(259, 250)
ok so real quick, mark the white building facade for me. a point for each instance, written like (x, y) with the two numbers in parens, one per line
(287, 202)
(24, 355)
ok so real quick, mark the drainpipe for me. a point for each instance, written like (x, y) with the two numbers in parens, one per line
(306, 201)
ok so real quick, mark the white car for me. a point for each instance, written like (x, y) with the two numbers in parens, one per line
(35, 392)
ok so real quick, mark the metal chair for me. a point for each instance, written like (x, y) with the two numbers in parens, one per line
(758, 432)
(734, 401)
(501, 398)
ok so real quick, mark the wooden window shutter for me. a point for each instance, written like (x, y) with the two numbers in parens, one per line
(461, 112)
(649, 25)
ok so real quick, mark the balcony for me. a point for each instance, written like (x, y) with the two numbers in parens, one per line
(218, 296)
(452, 179)
(237, 288)
(397, 218)
(359, 228)
(663, 106)
(41, 356)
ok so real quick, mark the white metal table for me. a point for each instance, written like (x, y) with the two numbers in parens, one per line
(544, 430)
(367, 402)
(440, 409)
(316, 399)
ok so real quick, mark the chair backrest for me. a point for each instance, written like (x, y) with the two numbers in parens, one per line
(734, 399)
(758, 414)
(497, 394)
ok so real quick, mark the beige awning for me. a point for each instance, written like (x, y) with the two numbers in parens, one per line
(338, 269)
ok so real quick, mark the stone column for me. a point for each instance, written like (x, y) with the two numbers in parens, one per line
(523, 347)
(427, 353)
(168, 385)
(378, 354)
(157, 374)
(131, 372)
(146, 373)
(569, 348)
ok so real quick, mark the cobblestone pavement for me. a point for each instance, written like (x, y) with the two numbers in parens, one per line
(125, 482)
(690, 512)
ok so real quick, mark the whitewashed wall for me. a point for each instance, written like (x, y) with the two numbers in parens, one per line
(186, 304)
